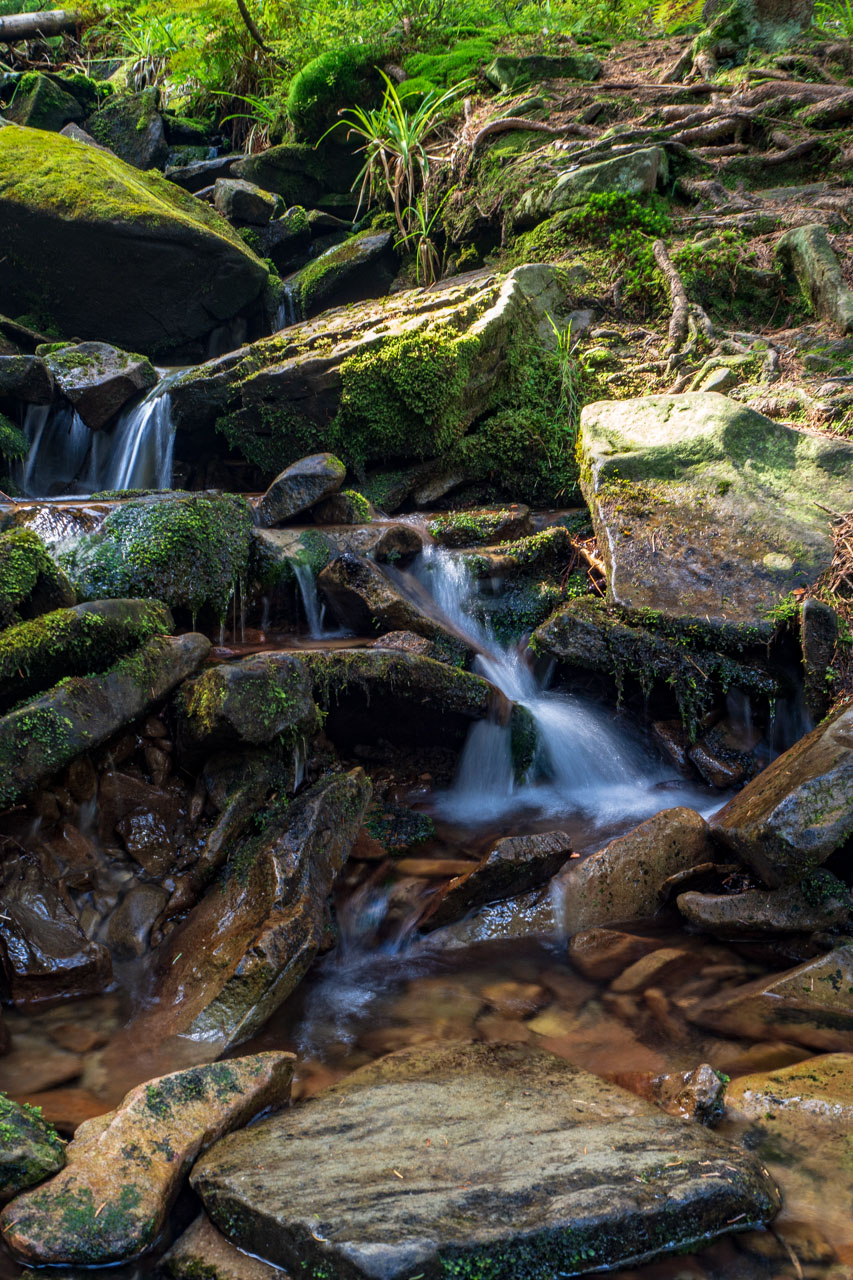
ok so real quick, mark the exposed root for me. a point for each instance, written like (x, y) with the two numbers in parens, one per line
(679, 323)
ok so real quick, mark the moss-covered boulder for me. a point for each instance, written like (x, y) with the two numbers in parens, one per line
(362, 267)
(706, 511)
(30, 582)
(97, 379)
(30, 1148)
(301, 175)
(131, 126)
(806, 252)
(285, 241)
(636, 174)
(100, 250)
(126, 1168)
(344, 76)
(511, 74)
(190, 551)
(253, 702)
(39, 102)
(480, 527)
(74, 642)
(243, 203)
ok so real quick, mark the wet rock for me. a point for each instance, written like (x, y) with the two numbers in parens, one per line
(43, 951)
(360, 268)
(98, 379)
(203, 1252)
(818, 638)
(810, 1005)
(131, 126)
(622, 881)
(478, 527)
(785, 910)
(499, 1187)
(30, 582)
(250, 940)
(122, 253)
(42, 103)
(409, 643)
(363, 599)
(602, 954)
(74, 642)
(761, 529)
(26, 378)
(515, 865)
(299, 487)
(674, 741)
(656, 969)
(636, 174)
(808, 253)
(799, 810)
(251, 702)
(696, 1095)
(49, 732)
(30, 1148)
(33, 1065)
(720, 765)
(515, 999)
(512, 74)
(347, 507)
(125, 1168)
(130, 924)
(243, 203)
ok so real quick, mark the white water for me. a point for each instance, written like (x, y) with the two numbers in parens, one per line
(315, 610)
(584, 762)
(289, 311)
(67, 459)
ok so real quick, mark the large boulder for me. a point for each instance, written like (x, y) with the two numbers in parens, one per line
(509, 73)
(26, 378)
(97, 379)
(299, 174)
(799, 810)
(111, 253)
(475, 1159)
(131, 126)
(706, 511)
(126, 1168)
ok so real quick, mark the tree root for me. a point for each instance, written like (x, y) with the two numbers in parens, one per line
(679, 322)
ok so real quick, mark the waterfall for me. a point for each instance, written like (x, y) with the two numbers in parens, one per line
(66, 458)
(315, 610)
(289, 307)
(583, 762)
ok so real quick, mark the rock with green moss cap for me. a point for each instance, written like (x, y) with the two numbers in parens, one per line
(41, 737)
(188, 550)
(808, 253)
(41, 103)
(285, 241)
(30, 1148)
(74, 642)
(268, 912)
(131, 126)
(706, 511)
(97, 379)
(474, 1160)
(109, 253)
(26, 378)
(511, 74)
(637, 174)
(252, 702)
(126, 1168)
(362, 267)
(299, 487)
(480, 526)
(799, 810)
(243, 203)
(30, 582)
(299, 174)
(347, 507)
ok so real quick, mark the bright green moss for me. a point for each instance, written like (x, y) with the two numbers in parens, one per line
(25, 568)
(446, 69)
(30, 1148)
(13, 442)
(341, 77)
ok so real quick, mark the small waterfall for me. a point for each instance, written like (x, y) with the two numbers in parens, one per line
(314, 610)
(66, 458)
(583, 763)
(289, 307)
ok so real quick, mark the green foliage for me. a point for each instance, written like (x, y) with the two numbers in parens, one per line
(25, 567)
(13, 442)
(327, 83)
(835, 16)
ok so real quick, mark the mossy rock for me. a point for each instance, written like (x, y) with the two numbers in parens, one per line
(30, 1148)
(30, 582)
(100, 250)
(131, 126)
(362, 267)
(40, 103)
(510, 74)
(74, 642)
(342, 77)
(189, 551)
(255, 701)
(300, 174)
(445, 69)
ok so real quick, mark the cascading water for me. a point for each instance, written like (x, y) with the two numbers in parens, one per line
(582, 764)
(289, 310)
(66, 458)
(315, 610)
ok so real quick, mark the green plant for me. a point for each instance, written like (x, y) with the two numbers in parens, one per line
(428, 262)
(835, 15)
(264, 115)
(397, 154)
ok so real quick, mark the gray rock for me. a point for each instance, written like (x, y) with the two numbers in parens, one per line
(244, 204)
(300, 486)
(30, 1150)
(200, 173)
(76, 134)
(623, 880)
(761, 911)
(799, 810)
(707, 511)
(44, 104)
(512, 74)
(468, 1156)
(285, 241)
(360, 268)
(250, 702)
(807, 251)
(515, 865)
(818, 638)
(363, 599)
(131, 126)
(49, 732)
(98, 379)
(26, 378)
(811, 1005)
(299, 174)
(635, 174)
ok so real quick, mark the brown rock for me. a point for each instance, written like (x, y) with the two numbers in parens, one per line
(651, 970)
(202, 1253)
(77, 1037)
(125, 1169)
(515, 865)
(515, 999)
(32, 1065)
(762, 911)
(600, 954)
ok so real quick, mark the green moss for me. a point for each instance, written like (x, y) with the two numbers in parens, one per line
(187, 551)
(13, 443)
(30, 1148)
(25, 569)
(341, 77)
(821, 886)
(445, 69)
(272, 436)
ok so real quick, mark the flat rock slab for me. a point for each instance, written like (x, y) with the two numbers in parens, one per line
(707, 511)
(125, 1168)
(473, 1159)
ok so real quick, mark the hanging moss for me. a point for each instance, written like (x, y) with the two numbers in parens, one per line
(189, 552)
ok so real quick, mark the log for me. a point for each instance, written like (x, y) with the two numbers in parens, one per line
(29, 26)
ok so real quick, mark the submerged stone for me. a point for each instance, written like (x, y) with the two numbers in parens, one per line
(125, 1168)
(124, 257)
(706, 511)
(473, 1158)
(30, 1148)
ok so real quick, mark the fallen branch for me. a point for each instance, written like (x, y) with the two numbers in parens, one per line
(678, 325)
(29, 26)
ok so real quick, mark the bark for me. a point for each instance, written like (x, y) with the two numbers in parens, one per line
(252, 26)
(29, 26)
(678, 325)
